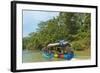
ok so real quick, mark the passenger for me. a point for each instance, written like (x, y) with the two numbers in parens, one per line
(45, 50)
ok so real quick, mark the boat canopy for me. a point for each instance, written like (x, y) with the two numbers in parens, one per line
(57, 44)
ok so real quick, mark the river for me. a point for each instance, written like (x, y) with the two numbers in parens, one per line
(35, 56)
(29, 56)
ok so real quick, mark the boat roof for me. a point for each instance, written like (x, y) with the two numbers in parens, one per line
(56, 44)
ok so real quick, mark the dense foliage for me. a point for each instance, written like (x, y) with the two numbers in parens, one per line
(72, 27)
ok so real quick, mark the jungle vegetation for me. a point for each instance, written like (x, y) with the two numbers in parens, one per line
(68, 26)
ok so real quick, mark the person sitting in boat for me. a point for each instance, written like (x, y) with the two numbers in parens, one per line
(68, 49)
(45, 50)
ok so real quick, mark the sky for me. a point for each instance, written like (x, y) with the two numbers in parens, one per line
(31, 19)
